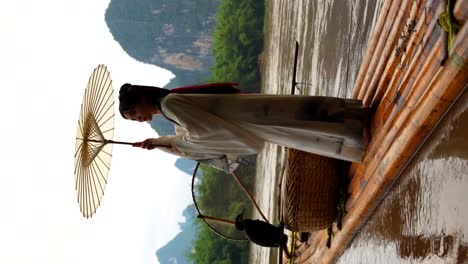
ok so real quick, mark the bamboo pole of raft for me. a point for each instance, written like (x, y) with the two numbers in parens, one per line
(409, 79)
(382, 39)
(416, 74)
(407, 76)
(398, 117)
(440, 95)
(405, 46)
(460, 13)
(381, 20)
(392, 39)
(394, 118)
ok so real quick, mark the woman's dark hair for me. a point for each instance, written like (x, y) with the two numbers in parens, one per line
(132, 95)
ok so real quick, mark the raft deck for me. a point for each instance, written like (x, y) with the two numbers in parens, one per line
(411, 80)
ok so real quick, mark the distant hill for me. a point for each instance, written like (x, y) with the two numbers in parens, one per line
(172, 34)
(162, 126)
(174, 252)
(185, 165)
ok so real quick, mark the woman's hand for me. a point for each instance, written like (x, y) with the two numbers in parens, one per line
(151, 143)
(161, 142)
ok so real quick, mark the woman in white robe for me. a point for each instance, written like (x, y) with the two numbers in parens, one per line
(210, 126)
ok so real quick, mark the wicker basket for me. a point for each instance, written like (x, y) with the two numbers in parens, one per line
(310, 191)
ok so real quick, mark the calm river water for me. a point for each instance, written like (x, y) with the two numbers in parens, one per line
(421, 220)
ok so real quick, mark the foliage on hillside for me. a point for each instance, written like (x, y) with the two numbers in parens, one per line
(237, 42)
(218, 194)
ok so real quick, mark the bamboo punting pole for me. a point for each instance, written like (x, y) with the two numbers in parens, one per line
(409, 36)
(388, 50)
(460, 11)
(249, 195)
(372, 45)
(442, 92)
(217, 219)
(380, 45)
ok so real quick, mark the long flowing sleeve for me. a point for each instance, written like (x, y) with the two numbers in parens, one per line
(206, 133)
(227, 163)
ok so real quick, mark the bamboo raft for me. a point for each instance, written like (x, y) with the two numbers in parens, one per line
(411, 80)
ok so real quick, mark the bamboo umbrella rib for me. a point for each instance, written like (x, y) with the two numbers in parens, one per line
(85, 193)
(88, 191)
(100, 103)
(89, 93)
(99, 111)
(104, 163)
(107, 130)
(105, 91)
(110, 117)
(93, 191)
(96, 88)
(78, 150)
(98, 191)
(95, 129)
(105, 152)
(78, 170)
(102, 174)
(94, 153)
(94, 186)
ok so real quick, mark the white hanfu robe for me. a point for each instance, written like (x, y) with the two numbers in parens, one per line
(211, 126)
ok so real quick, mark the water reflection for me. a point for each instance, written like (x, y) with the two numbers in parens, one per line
(423, 218)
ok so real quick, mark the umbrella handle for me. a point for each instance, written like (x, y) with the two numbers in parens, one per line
(130, 143)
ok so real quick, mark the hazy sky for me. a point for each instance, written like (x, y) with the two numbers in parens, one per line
(48, 50)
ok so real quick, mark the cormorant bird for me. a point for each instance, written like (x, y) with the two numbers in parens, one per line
(262, 233)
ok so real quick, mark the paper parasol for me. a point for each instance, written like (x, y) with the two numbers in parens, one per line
(92, 152)
(93, 149)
